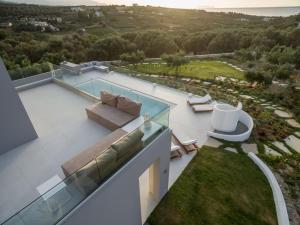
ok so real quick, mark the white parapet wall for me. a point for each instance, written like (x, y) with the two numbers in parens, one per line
(282, 215)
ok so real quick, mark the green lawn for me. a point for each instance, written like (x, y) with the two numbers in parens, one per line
(203, 69)
(99, 31)
(218, 188)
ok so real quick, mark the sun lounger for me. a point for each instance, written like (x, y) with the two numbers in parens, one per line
(187, 144)
(175, 151)
(204, 107)
(194, 100)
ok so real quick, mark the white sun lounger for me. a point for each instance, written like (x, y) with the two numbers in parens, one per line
(204, 107)
(194, 100)
(175, 151)
(185, 142)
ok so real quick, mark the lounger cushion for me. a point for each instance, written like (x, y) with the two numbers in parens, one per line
(108, 98)
(175, 147)
(126, 105)
(189, 142)
(128, 144)
(203, 108)
(199, 100)
(107, 162)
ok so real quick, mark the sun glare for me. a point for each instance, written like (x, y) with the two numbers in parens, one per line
(205, 3)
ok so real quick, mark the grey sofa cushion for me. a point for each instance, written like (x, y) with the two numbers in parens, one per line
(107, 162)
(87, 178)
(127, 144)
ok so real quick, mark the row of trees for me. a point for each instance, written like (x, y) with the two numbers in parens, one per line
(265, 51)
(279, 63)
(229, 41)
(25, 48)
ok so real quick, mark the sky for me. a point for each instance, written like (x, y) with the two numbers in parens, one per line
(207, 3)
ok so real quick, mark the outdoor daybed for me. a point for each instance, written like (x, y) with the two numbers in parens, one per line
(114, 111)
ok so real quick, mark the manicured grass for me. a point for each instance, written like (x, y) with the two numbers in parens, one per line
(203, 69)
(218, 188)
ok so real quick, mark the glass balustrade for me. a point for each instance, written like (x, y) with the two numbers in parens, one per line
(56, 203)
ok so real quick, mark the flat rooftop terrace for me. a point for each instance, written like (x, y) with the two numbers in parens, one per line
(64, 130)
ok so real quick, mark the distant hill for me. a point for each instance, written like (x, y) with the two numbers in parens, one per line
(56, 2)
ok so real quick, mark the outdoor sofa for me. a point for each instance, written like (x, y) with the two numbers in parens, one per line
(96, 164)
(114, 111)
(91, 166)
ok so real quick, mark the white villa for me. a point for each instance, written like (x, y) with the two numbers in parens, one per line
(85, 145)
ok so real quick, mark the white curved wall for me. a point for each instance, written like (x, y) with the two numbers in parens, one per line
(282, 215)
(246, 119)
(224, 117)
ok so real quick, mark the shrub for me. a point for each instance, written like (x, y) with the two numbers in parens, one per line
(16, 74)
(284, 71)
(45, 67)
(31, 70)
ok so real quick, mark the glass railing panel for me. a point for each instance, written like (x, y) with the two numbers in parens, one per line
(150, 105)
(162, 118)
(69, 78)
(56, 203)
(15, 220)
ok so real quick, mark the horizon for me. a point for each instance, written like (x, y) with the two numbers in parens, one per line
(196, 4)
(188, 4)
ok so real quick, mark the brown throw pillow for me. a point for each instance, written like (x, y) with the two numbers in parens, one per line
(126, 105)
(108, 98)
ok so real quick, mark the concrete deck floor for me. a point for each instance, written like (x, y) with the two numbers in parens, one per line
(183, 120)
(59, 118)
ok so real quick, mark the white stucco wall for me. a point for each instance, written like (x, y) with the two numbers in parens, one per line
(281, 210)
(118, 200)
(16, 127)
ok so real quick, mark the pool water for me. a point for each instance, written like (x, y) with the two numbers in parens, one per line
(150, 105)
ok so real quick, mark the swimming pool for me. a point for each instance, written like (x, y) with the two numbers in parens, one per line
(150, 105)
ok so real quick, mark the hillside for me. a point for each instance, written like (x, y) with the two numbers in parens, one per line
(56, 2)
